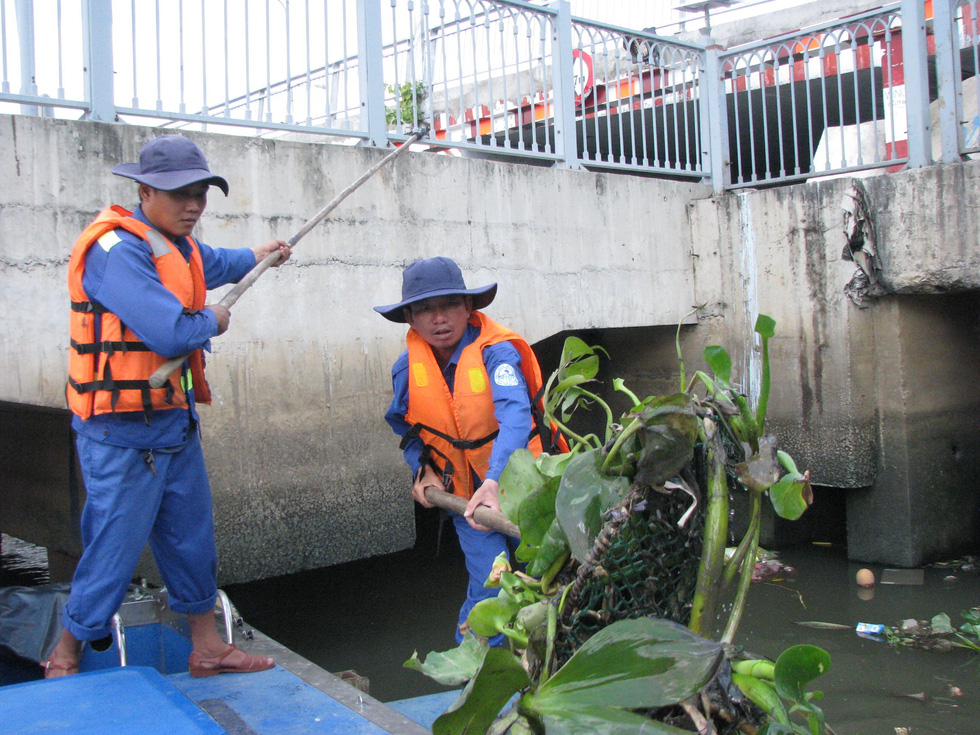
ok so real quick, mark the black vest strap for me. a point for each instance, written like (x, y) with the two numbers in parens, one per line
(109, 384)
(549, 437)
(88, 307)
(462, 444)
(447, 470)
(425, 458)
(108, 347)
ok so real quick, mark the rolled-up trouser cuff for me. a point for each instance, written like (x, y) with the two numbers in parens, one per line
(81, 632)
(192, 608)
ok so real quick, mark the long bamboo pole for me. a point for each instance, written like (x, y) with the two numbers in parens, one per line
(160, 377)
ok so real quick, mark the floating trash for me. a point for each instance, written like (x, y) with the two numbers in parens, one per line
(865, 578)
(871, 631)
(903, 576)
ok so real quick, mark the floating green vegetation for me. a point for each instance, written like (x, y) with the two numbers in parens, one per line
(938, 634)
(623, 543)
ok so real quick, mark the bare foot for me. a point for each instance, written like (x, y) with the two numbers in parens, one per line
(64, 659)
(54, 668)
(230, 660)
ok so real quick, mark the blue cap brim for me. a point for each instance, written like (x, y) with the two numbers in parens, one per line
(481, 298)
(170, 180)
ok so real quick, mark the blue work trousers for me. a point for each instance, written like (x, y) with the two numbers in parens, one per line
(131, 501)
(480, 548)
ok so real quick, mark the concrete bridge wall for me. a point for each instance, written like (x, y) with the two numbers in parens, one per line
(305, 473)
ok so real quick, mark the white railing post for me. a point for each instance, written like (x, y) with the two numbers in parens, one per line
(715, 156)
(948, 80)
(566, 144)
(97, 53)
(25, 36)
(371, 72)
(916, 83)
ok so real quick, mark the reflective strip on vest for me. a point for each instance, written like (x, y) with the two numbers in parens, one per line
(108, 240)
(158, 243)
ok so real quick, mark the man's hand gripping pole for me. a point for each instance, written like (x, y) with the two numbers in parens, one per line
(159, 378)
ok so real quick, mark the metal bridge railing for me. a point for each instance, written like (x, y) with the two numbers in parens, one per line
(958, 77)
(507, 78)
(828, 100)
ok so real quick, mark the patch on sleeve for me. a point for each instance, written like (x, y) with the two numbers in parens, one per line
(108, 240)
(505, 375)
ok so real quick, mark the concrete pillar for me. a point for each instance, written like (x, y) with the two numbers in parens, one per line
(923, 503)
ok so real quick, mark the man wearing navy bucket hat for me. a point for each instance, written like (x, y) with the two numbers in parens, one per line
(137, 282)
(466, 397)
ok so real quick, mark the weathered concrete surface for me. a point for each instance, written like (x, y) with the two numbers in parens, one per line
(304, 470)
(878, 400)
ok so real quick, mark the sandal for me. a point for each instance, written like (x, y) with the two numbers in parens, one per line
(53, 669)
(199, 666)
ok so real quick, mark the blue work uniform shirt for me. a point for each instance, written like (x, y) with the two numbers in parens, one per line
(125, 281)
(511, 403)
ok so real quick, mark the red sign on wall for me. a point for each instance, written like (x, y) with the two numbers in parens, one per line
(582, 76)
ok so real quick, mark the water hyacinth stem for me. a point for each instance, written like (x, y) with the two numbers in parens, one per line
(748, 566)
(710, 572)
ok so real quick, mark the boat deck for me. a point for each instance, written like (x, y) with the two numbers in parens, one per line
(140, 700)
(154, 693)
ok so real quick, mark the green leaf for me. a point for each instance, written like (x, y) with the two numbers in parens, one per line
(511, 723)
(632, 663)
(534, 518)
(498, 679)
(762, 693)
(720, 363)
(453, 667)
(796, 667)
(941, 624)
(573, 381)
(584, 495)
(791, 495)
(668, 437)
(765, 326)
(576, 355)
(552, 465)
(573, 719)
(491, 616)
(554, 546)
(520, 478)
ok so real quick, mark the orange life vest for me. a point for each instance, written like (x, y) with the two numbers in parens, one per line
(112, 374)
(459, 427)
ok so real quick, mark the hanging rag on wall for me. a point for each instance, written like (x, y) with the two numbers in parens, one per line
(861, 247)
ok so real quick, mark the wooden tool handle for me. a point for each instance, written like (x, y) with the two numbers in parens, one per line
(482, 515)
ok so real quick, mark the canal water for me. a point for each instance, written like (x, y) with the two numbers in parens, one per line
(369, 616)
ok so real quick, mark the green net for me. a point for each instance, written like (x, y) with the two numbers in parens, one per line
(647, 567)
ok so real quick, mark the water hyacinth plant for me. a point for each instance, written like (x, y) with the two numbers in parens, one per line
(585, 666)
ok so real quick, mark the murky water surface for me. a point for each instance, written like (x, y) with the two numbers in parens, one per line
(21, 563)
(872, 688)
(371, 615)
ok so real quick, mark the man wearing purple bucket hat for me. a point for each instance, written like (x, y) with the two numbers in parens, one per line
(137, 282)
(466, 397)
